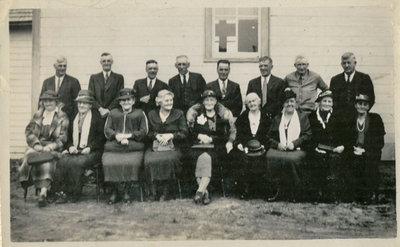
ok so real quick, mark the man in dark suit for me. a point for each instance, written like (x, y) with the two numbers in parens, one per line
(228, 92)
(105, 86)
(186, 86)
(268, 87)
(345, 86)
(146, 89)
(66, 86)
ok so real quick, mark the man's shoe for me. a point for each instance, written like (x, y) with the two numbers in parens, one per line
(206, 198)
(198, 197)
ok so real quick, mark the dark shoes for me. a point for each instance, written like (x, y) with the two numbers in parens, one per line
(198, 197)
(61, 198)
(42, 201)
(206, 198)
(113, 198)
(244, 195)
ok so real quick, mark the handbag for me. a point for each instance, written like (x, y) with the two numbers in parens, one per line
(39, 157)
(203, 145)
(325, 147)
(157, 147)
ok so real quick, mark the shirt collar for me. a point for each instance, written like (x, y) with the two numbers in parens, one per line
(351, 75)
(186, 75)
(268, 78)
(153, 80)
(297, 74)
(61, 78)
(104, 73)
(220, 81)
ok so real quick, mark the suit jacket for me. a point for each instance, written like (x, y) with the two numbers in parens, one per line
(275, 88)
(361, 83)
(105, 94)
(141, 90)
(244, 131)
(233, 98)
(96, 137)
(68, 91)
(195, 87)
(305, 132)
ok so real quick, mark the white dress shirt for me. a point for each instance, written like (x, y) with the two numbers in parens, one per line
(351, 76)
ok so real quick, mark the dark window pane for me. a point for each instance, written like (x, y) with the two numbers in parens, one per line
(223, 30)
(248, 36)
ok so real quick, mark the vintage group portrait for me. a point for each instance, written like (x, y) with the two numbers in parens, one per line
(162, 121)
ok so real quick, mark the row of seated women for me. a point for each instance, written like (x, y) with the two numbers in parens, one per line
(165, 142)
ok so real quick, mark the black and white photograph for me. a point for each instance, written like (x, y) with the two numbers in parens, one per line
(199, 122)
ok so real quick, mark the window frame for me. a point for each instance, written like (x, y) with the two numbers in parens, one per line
(263, 37)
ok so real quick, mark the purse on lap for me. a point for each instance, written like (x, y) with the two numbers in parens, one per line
(39, 157)
(157, 147)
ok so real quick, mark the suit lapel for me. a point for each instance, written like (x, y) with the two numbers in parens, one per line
(217, 89)
(53, 124)
(229, 88)
(109, 82)
(259, 86)
(52, 85)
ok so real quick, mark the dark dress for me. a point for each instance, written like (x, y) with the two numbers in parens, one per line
(163, 165)
(327, 168)
(286, 165)
(364, 174)
(71, 167)
(122, 163)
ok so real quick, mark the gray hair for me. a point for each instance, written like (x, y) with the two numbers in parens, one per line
(265, 58)
(299, 58)
(161, 94)
(60, 59)
(252, 96)
(348, 55)
(182, 56)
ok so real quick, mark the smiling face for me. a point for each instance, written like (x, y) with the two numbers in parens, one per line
(84, 107)
(326, 104)
(290, 105)
(265, 68)
(362, 107)
(182, 64)
(223, 71)
(167, 102)
(126, 103)
(254, 104)
(209, 103)
(49, 104)
(106, 62)
(152, 69)
(61, 68)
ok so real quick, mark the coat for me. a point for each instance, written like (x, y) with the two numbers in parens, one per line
(361, 83)
(96, 137)
(196, 86)
(275, 88)
(105, 94)
(67, 92)
(233, 98)
(244, 131)
(140, 88)
(301, 142)
(58, 137)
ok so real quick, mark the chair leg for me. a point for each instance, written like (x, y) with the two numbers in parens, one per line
(222, 181)
(179, 188)
(25, 193)
(141, 192)
(97, 185)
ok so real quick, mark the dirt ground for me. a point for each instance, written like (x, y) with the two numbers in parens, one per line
(181, 219)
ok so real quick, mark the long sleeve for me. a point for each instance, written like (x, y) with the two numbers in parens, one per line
(62, 138)
(91, 88)
(321, 84)
(140, 134)
(305, 132)
(120, 85)
(109, 132)
(182, 131)
(32, 135)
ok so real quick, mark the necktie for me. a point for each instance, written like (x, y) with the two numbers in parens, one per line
(184, 81)
(264, 91)
(106, 78)
(348, 86)
(58, 84)
(223, 89)
(150, 85)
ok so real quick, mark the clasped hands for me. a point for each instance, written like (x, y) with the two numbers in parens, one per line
(205, 139)
(163, 139)
(338, 149)
(287, 147)
(123, 138)
(103, 112)
(358, 150)
(74, 150)
(40, 148)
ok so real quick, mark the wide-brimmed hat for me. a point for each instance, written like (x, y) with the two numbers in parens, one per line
(208, 93)
(85, 96)
(326, 93)
(254, 148)
(126, 93)
(49, 94)
(363, 97)
(287, 94)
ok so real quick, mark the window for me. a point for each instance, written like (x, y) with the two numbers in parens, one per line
(238, 34)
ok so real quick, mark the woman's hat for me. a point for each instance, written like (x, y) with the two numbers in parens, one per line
(85, 96)
(208, 93)
(254, 148)
(326, 93)
(126, 93)
(49, 94)
(287, 94)
(362, 97)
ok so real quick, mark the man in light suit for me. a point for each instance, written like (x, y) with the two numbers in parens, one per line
(105, 86)
(67, 87)
(228, 92)
(268, 87)
(186, 86)
(146, 89)
(346, 85)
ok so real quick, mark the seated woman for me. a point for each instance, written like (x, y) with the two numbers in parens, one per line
(46, 135)
(125, 129)
(328, 142)
(251, 125)
(368, 134)
(213, 133)
(83, 150)
(168, 132)
(288, 135)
